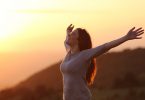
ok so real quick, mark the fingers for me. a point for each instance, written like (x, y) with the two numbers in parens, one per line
(138, 37)
(138, 29)
(71, 25)
(140, 33)
(132, 29)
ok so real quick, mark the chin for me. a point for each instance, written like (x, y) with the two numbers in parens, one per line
(67, 43)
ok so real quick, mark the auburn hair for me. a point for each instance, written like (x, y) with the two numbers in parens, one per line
(84, 42)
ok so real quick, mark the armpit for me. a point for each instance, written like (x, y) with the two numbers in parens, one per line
(94, 52)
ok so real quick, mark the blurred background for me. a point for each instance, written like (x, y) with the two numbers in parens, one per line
(32, 34)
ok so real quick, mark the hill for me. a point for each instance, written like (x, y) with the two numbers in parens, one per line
(115, 70)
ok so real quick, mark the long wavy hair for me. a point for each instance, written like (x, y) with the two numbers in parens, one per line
(84, 42)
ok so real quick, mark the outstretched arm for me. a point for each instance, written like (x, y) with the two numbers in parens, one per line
(94, 52)
(68, 31)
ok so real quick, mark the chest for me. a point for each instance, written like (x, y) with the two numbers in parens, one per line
(72, 64)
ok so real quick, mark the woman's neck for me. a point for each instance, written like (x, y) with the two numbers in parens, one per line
(74, 49)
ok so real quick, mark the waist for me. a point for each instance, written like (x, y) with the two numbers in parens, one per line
(77, 93)
(75, 83)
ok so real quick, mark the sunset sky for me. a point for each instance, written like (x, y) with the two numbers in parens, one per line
(32, 32)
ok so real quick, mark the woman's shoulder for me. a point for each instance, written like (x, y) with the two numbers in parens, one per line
(83, 52)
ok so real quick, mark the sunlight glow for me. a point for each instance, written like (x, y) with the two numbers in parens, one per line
(32, 32)
(11, 24)
(9, 21)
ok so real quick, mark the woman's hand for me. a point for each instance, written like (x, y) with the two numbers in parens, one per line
(133, 34)
(69, 28)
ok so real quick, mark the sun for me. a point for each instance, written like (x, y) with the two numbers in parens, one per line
(5, 27)
(3, 35)
(11, 22)
(12, 25)
(7, 24)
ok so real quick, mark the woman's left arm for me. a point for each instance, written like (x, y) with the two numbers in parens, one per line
(94, 52)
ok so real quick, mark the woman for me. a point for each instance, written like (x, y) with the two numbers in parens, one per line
(79, 65)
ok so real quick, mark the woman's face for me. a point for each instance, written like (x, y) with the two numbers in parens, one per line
(73, 38)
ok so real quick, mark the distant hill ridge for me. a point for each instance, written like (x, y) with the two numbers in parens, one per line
(115, 69)
(110, 65)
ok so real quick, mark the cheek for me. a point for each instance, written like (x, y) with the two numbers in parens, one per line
(76, 41)
(75, 37)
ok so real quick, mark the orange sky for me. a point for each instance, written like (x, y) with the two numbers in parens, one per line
(32, 31)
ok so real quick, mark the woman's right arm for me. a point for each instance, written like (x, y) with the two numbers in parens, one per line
(68, 31)
(67, 46)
